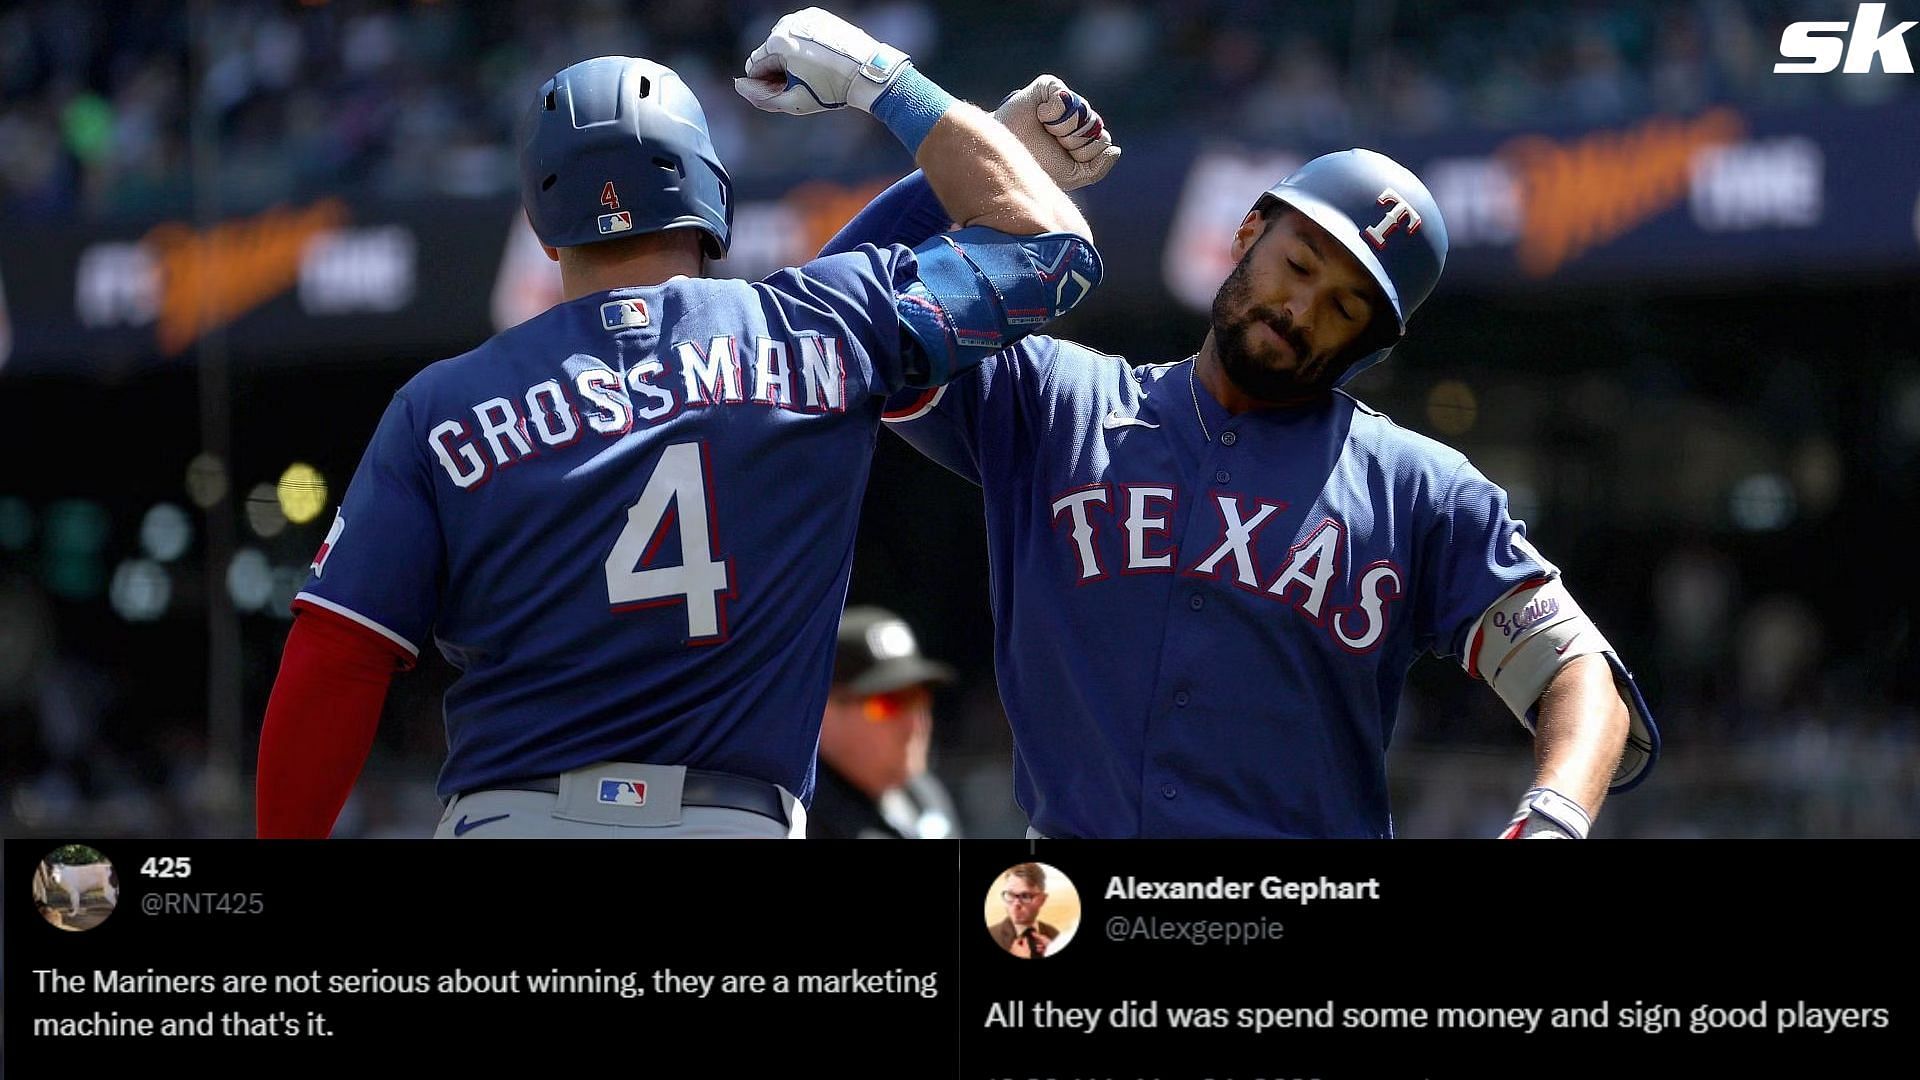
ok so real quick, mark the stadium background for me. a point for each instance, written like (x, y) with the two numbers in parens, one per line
(1679, 325)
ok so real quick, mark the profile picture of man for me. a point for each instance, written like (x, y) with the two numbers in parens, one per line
(1023, 893)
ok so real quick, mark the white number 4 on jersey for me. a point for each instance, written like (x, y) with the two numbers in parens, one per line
(675, 493)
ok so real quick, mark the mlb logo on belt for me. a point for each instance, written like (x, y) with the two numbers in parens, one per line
(623, 314)
(623, 792)
(613, 223)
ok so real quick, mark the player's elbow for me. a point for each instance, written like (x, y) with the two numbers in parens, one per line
(981, 290)
(1581, 702)
(1061, 216)
(1033, 213)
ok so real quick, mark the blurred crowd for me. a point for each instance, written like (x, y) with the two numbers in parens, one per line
(117, 107)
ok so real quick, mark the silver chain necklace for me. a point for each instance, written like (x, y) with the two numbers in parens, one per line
(1195, 394)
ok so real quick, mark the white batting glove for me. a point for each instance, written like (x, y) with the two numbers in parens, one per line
(1062, 132)
(1545, 814)
(814, 61)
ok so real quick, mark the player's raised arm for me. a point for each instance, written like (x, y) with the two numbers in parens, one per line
(814, 61)
(1022, 256)
(1069, 139)
(984, 176)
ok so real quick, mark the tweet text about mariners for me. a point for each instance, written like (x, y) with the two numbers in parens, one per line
(338, 948)
(1380, 960)
(180, 989)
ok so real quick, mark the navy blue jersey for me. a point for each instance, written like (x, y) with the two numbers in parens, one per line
(1205, 620)
(629, 521)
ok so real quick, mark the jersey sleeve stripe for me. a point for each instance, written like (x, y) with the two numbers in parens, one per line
(916, 410)
(349, 613)
(1473, 651)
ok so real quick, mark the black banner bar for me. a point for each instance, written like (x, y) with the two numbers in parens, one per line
(1155, 960)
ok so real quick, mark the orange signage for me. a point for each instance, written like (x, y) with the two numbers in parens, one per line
(1577, 196)
(825, 207)
(212, 277)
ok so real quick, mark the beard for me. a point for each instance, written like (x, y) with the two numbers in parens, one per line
(1254, 364)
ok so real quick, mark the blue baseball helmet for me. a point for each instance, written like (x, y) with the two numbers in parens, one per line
(1384, 215)
(617, 146)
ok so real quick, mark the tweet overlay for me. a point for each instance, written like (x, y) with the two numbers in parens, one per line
(982, 960)
(1367, 961)
(247, 953)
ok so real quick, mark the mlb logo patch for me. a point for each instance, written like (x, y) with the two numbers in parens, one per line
(623, 314)
(623, 792)
(613, 223)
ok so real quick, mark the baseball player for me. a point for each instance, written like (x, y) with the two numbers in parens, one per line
(629, 521)
(1209, 577)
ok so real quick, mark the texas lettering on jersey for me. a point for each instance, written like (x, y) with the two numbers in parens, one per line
(1224, 605)
(1303, 581)
(805, 373)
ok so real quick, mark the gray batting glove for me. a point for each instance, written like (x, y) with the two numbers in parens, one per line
(814, 61)
(1062, 132)
(1545, 814)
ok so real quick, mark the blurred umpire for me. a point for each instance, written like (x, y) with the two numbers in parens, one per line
(873, 781)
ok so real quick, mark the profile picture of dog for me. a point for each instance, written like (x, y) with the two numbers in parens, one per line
(75, 887)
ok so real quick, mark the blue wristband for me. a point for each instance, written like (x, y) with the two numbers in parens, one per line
(911, 106)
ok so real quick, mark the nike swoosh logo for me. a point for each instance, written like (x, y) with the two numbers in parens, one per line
(1115, 421)
(1561, 651)
(463, 826)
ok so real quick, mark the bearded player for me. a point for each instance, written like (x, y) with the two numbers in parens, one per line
(1210, 577)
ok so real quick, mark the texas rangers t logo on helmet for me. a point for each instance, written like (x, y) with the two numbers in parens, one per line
(1400, 214)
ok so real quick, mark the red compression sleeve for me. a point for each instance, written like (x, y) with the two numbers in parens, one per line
(320, 722)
